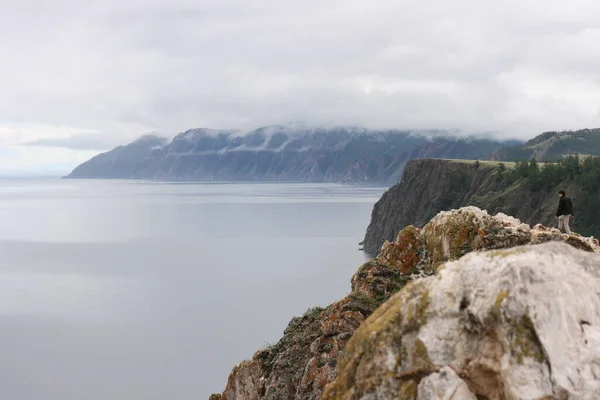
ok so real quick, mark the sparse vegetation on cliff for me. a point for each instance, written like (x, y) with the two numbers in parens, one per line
(582, 175)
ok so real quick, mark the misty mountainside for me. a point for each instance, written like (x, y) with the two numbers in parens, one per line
(525, 190)
(281, 153)
(553, 145)
(121, 161)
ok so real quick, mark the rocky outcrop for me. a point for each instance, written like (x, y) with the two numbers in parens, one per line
(518, 323)
(429, 186)
(284, 153)
(452, 234)
(305, 360)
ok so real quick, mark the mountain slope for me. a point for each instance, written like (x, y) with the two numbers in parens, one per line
(120, 162)
(285, 153)
(553, 145)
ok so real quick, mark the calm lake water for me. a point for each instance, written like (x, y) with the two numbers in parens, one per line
(136, 290)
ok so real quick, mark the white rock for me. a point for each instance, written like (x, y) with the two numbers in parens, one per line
(553, 287)
(517, 323)
(444, 385)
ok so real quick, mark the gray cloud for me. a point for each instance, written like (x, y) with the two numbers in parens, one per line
(518, 67)
(80, 141)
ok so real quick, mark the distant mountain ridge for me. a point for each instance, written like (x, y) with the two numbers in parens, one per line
(553, 145)
(281, 153)
(121, 161)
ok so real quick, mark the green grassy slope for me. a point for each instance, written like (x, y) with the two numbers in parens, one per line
(553, 145)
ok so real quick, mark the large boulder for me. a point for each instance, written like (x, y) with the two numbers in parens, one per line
(518, 323)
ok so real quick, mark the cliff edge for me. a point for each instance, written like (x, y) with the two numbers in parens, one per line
(429, 186)
(321, 348)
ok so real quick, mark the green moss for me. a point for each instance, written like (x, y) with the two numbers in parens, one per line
(422, 308)
(462, 233)
(396, 284)
(501, 296)
(313, 313)
(421, 356)
(408, 391)
(361, 348)
(505, 253)
(380, 296)
(451, 239)
(360, 302)
(526, 342)
(325, 348)
(403, 355)
(415, 315)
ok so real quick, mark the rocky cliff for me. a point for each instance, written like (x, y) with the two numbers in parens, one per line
(283, 153)
(315, 350)
(429, 186)
(520, 323)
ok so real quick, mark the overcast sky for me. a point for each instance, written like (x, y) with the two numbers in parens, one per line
(78, 77)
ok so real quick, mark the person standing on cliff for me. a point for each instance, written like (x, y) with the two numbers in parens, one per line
(564, 212)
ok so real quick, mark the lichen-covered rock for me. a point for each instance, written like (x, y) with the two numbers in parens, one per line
(452, 234)
(378, 280)
(520, 323)
(244, 382)
(304, 361)
(406, 252)
(444, 385)
(543, 234)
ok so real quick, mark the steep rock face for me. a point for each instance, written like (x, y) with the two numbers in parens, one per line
(287, 153)
(304, 361)
(519, 323)
(429, 186)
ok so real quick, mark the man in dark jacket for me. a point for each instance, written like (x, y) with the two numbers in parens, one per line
(564, 212)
